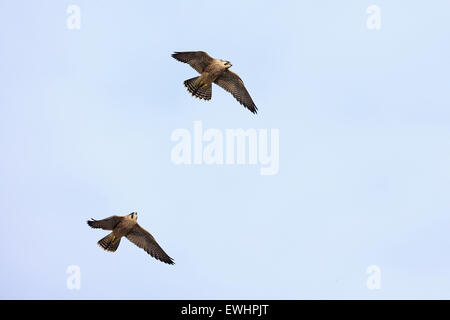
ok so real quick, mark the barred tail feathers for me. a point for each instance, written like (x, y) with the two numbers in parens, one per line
(110, 242)
(198, 88)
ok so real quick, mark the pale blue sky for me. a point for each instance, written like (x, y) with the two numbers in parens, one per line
(85, 123)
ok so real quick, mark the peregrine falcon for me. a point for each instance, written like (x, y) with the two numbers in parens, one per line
(214, 70)
(127, 226)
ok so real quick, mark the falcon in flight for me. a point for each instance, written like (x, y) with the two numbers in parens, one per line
(127, 226)
(217, 71)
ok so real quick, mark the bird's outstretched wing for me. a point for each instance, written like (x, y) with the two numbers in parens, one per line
(143, 239)
(105, 224)
(231, 82)
(198, 60)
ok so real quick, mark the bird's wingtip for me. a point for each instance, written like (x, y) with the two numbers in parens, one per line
(169, 261)
(253, 109)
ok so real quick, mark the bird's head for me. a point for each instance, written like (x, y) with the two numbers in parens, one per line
(227, 63)
(133, 216)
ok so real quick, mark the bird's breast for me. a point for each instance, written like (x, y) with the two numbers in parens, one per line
(213, 71)
(123, 228)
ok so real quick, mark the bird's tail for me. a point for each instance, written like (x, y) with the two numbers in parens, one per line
(110, 242)
(198, 88)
